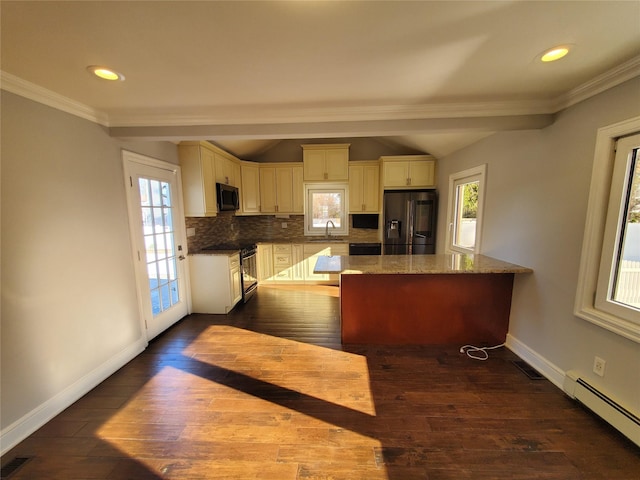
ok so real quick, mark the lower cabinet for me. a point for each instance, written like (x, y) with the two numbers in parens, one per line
(294, 263)
(215, 282)
(265, 262)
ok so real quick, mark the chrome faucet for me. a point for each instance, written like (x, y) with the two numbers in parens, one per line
(326, 228)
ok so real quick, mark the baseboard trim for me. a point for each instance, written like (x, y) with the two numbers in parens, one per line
(550, 371)
(36, 418)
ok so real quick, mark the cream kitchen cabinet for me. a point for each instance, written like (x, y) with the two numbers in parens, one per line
(250, 192)
(364, 187)
(265, 262)
(409, 171)
(326, 162)
(294, 263)
(282, 262)
(281, 189)
(215, 282)
(297, 260)
(226, 170)
(197, 162)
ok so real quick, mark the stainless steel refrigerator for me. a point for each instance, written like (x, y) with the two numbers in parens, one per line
(409, 222)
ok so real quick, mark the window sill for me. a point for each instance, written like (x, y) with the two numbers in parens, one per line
(620, 326)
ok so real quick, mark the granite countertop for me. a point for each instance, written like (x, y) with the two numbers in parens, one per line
(415, 264)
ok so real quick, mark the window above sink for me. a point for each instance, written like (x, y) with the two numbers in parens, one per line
(325, 210)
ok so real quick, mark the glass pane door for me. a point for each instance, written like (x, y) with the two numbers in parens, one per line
(160, 252)
(157, 224)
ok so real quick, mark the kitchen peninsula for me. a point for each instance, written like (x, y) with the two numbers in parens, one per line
(423, 299)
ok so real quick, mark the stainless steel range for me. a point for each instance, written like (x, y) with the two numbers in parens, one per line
(248, 266)
(249, 269)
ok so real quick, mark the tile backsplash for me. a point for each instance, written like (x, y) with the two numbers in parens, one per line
(228, 228)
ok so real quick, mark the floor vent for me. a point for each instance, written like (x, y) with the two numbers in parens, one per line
(13, 466)
(528, 370)
(602, 405)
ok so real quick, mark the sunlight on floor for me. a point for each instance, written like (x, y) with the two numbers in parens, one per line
(326, 374)
(278, 400)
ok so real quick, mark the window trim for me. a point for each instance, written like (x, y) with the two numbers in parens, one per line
(478, 173)
(343, 189)
(592, 245)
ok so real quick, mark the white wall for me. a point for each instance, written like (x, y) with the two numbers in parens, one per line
(535, 210)
(69, 308)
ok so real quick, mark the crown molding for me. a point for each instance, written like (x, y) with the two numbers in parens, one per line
(18, 86)
(617, 75)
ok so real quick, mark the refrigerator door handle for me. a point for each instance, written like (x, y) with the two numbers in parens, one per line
(411, 205)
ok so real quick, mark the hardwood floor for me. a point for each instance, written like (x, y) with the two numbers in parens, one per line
(268, 392)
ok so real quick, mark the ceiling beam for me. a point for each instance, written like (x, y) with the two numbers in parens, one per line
(365, 128)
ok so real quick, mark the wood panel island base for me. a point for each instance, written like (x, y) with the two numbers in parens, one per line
(423, 299)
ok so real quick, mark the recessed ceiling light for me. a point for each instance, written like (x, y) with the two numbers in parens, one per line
(556, 53)
(105, 73)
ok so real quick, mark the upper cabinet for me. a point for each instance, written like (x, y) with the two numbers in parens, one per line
(197, 161)
(203, 165)
(409, 171)
(227, 170)
(250, 192)
(281, 188)
(326, 162)
(364, 187)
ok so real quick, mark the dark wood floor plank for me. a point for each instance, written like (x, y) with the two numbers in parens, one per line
(268, 392)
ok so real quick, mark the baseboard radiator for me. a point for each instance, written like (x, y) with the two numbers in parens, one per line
(619, 417)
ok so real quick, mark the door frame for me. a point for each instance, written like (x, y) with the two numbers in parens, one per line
(140, 272)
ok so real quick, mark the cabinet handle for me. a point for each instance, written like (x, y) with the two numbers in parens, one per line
(326, 175)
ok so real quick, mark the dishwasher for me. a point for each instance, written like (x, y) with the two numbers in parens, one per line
(365, 248)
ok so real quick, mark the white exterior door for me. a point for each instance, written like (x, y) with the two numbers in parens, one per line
(156, 221)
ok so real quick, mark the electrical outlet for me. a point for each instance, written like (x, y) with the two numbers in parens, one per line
(598, 366)
(284, 225)
(191, 232)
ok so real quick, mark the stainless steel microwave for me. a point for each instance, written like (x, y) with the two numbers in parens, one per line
(228, 198)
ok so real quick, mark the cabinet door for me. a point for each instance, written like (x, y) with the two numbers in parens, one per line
(395, 174)
(250, 189)
(371, 188)
(313, 161)
(208, 181)
(337, 164)
(265, 262)
(298, 190)
(236, 284)
(422, 173)
(237, 174)
(356, 189)
(297, 260)
(224, 170)
(284, 190)
(198, 181)
(268, 190)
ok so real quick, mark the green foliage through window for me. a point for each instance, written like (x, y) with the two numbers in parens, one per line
(470, 200)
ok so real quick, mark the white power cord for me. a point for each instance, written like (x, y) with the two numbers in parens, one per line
(474, 352)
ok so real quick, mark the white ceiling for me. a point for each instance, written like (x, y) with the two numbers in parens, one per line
(432, 75)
